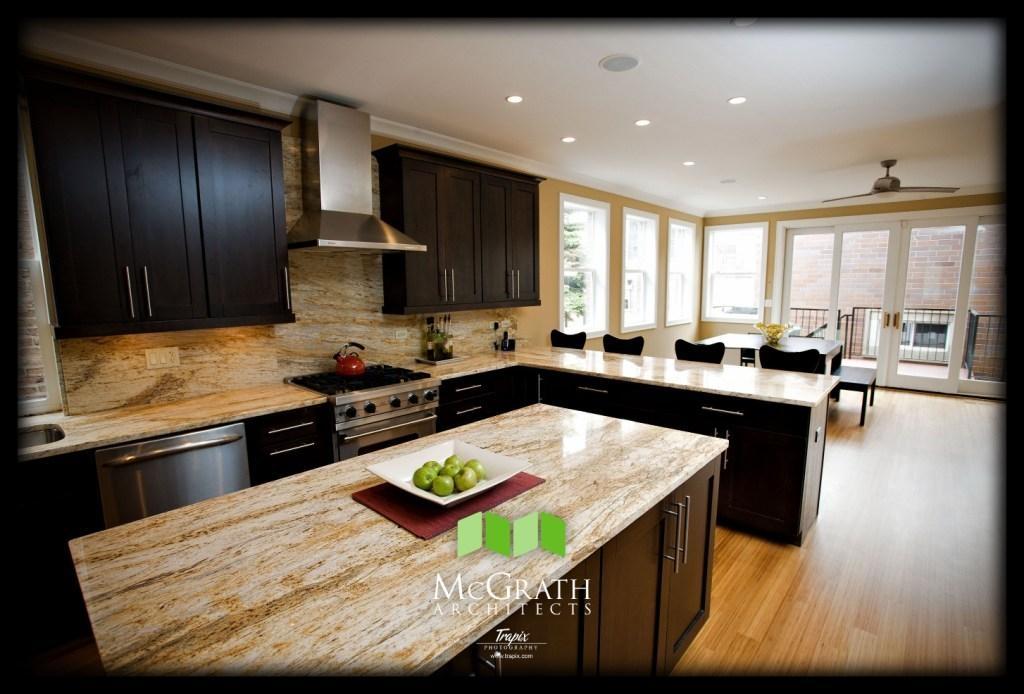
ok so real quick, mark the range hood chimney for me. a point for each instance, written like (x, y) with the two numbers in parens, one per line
(337, 187)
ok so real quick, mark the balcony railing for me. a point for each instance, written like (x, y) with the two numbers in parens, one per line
(926, 336)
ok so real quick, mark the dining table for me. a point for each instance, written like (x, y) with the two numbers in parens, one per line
(831, 351)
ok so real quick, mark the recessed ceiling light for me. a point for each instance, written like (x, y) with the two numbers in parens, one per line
(643, 122)
(762, 197)
(728, 180)
(569, 138)
(689, 163)
(742, 21)
(736, 100)
(514, 99)
(618, 63)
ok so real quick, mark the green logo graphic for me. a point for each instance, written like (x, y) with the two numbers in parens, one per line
(511, 538)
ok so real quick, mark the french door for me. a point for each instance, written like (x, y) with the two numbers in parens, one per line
(921, 300)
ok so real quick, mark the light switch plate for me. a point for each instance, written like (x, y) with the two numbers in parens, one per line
(401, 334)
(162, 358)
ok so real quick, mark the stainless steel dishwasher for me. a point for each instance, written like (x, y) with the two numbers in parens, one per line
(142, 479)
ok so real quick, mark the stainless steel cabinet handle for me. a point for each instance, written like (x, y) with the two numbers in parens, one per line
(446, 285)
(519, 289)
(453, 285)
(145, 285)
(293, 448)
(287, 290)
(393, 426)
(735, 413)
(675, 548)
(293, 426)
(592, 390)
(160, 452)
(471, 409)
(476, 385)
(686, 532)
(725, 458)
(131, 299)
(512, 283)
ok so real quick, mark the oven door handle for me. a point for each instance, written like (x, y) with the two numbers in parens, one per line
(353, 437)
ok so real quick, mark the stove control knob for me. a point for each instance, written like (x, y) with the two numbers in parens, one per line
(395, 401)
(413, 399)
(350, 411)
(430, 395)
(369, 408)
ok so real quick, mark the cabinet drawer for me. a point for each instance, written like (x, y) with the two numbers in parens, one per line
(757, 414)
(500, 382)
(281, 427)
(456, 414)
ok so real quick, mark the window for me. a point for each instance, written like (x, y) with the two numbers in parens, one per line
(38, 387)
(639, 269)
(679, 282)
(734, 267)
(583, 302)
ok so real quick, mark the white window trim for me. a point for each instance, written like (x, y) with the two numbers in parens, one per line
(705, 286)
(606, 208)
(690, 274)
(40, 294)
(631, 212)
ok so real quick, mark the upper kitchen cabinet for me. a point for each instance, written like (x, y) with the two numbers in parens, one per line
(480, 226)
(160, 212)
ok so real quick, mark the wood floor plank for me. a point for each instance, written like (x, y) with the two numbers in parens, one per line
(902, 571)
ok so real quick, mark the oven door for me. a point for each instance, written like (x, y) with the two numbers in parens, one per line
(372, 437)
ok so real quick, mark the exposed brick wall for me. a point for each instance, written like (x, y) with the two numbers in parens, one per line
(988, 295)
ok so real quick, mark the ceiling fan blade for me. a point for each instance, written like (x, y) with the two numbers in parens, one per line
(926, 189)
(847, 197)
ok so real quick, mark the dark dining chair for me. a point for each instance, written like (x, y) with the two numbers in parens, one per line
(634, 345)
(710, 354)
(573, 341)
(806, 361)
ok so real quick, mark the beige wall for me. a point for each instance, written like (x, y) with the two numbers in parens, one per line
(711, 328)
(535, 322)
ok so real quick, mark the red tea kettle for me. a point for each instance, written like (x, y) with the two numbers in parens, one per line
(349, 362)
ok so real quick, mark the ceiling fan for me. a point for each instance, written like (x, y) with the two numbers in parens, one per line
(891, 184)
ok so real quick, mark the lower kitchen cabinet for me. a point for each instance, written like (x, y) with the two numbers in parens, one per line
(287, 443)
(650, 593)
(471, 398)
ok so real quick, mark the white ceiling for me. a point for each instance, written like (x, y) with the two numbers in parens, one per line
(826, 101)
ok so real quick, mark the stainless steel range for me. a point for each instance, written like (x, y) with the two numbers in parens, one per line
(384, 406)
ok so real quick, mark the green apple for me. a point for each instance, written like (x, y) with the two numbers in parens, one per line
(466, 479)
(453, 460)
(443, 485)
(424, 477)
(451, 470)
(477, 467)
(433, 464)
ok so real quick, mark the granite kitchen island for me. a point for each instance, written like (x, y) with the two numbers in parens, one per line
(294, 576)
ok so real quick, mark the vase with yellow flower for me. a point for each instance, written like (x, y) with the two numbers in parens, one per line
(773, 332)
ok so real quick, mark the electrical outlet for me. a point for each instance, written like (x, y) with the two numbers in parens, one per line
(162, 358)
(506, 323)
(401, 334)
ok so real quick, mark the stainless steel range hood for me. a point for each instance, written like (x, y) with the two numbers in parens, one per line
(337, 187)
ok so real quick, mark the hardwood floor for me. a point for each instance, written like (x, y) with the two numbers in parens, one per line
(902, 572)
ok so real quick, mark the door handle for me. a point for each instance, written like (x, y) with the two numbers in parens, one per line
(145, 285)
(131, 299)
(472, 387)
(887, 317)
(446, 285)
(592, 390)
(686, 531)
(735, 413)
(471, 409)
(287, 290)
(519, 289)
(675, 548)
(682, 536)
(896, 321)
(512, 283)
(293, 426)
(160, 452)
(393, 426)
(293, 448)
(453, 285)
(725, 457)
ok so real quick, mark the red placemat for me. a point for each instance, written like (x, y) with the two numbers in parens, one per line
(424, 519)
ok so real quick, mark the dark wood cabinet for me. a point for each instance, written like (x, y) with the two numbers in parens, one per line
(241, 188)
(480, 226)
(287, 443)
(471, 398)
(158, 215)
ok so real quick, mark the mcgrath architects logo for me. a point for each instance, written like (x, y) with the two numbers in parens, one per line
(511, 538)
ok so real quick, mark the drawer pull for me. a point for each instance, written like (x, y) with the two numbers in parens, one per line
(592, 390)
(735, 413)
(478, 385)
(471, 409)
(293, 426)
(293, 448)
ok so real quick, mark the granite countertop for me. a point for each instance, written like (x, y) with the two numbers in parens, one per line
(294, 576)
(86, 431)
(789, 387)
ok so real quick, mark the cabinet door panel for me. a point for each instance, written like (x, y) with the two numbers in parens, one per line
(422, 183)
(765, 484)
(460, 211)
(494, 239)
(523, 232)
(241, 204)
(85, 214)
(160, 180)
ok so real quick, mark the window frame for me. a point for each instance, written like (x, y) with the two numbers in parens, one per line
(656, 218)
(41, 287)
(688, 277)
(604, 215)
(709, 232)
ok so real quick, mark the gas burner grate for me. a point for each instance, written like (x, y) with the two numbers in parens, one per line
(375, 376)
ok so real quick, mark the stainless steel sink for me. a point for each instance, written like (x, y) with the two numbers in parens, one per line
(38, 435)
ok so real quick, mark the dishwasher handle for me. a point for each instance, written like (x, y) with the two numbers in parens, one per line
(131, 458)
